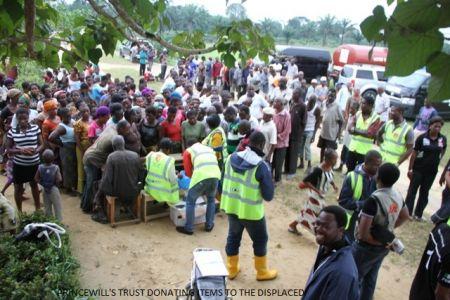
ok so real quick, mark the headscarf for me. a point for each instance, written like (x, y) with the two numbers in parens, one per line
(12, 93)
(101, 112)
(25, 98)
(50, 104)
(147, 92)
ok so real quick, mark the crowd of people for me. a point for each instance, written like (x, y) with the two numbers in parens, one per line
(237, 130)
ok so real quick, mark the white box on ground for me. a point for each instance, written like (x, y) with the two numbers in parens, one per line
(210, 263)
(178, 212)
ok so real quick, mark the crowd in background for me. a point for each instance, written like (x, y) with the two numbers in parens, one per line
(75, 117)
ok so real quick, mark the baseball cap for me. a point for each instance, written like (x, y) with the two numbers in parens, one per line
(12, 93)
(314, 81)
(269, 111)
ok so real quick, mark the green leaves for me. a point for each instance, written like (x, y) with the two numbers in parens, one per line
(94, 55)
(414, 40)
(439, 87)
(410, 52)
(417, 14)
(372, 26)
(37, 270)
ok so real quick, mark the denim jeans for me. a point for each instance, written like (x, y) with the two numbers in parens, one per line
(368, 260)
(257, 231)
(208, 188)
(92, 174)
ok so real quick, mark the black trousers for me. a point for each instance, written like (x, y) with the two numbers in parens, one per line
(277, 162)
(162, 75)
(354, 159)
(141, 69)
(290, 164)
(424, 181)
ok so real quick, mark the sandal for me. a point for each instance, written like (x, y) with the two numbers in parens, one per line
(294, 231)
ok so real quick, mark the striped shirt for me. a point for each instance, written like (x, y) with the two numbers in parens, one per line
(29, 139)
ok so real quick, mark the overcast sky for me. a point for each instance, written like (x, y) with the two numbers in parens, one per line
(283, 10)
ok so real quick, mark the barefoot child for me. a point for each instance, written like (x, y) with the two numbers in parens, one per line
(48, 175)
(318, 182)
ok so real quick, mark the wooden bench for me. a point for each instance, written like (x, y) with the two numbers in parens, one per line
(111, 211)
(156, 209)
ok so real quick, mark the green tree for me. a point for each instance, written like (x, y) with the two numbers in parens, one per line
(33, 29)
(270, 27)
(345, 26)
(326, 27)
(415, 40)
(288, 34)
(357, 36)
(236, 11)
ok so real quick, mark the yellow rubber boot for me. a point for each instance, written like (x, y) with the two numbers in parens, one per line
(233, 266)
(262, 272)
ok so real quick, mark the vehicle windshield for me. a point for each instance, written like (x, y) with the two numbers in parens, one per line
(414, 81)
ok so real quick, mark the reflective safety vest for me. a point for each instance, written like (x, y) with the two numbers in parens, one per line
(358, 143)
(448, 222)
(204, 163)
(356, 181)
(207, 141)
(157, 184)
(394, 144)
(241, 194)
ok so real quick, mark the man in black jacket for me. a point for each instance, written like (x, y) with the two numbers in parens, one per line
(298, 122)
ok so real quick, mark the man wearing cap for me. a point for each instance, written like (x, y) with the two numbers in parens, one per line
(322, 89)
(268, 128)
(311, 89)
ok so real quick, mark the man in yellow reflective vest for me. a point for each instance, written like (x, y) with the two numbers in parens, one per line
(358, 185)
(161, 181)
(396, 138)
(216, 139)
(362, 133)
(247, 181)
(200, 163)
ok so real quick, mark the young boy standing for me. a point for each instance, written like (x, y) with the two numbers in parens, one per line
(48, 176)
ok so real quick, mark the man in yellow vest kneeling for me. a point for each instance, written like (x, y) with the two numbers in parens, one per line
(247, 181)
(200, 163)
(161, 182)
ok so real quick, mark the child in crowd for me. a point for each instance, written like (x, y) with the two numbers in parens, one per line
(48, 176)
(318, 182)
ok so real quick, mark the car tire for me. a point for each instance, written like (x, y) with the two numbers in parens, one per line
(371, 93)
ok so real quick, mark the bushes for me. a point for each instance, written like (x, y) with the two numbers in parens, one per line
(30, 270)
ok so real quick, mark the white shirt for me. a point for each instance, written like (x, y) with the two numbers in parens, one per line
(258, 103)
(382, 104)
(285, 94)
(32, 115)
(342, 97)
(311, 90)
(254, 124)
(292, 70)
(270, 133)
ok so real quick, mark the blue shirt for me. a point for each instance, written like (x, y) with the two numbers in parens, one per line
(143, 57)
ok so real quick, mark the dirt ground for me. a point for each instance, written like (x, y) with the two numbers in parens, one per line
(154, 256)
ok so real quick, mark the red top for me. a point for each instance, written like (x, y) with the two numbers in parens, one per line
(187, 163)
(216, 69)
(172, 130)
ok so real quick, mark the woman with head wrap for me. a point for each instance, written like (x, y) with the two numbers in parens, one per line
(24, 102)
(98, 125)
(51, 122)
